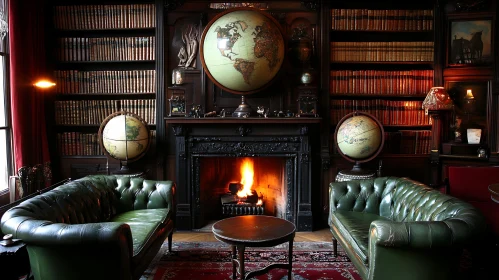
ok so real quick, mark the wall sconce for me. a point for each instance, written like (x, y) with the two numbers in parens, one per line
(437, 99)
(44, 84)
(469, 102)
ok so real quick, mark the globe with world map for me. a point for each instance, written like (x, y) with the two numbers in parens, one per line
(242, 50)
(359, 136)
(124, 136)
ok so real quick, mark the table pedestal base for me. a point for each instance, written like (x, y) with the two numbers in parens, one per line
(238, 263)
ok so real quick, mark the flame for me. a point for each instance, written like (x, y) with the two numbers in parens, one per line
(260, 202)
(247, 173)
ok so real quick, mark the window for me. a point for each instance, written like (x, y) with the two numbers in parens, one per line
(5, 123)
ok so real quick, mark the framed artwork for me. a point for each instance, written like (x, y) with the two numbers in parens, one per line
(470, 41)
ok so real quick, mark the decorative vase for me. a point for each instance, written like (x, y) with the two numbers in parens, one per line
(474, 135)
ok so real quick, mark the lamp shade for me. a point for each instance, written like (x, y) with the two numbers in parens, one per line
(437, 99)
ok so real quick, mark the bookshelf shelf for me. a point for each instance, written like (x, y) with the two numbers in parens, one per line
(382, 35)
(426, 63)
(382, 63)
(118, 95)
(97, 33)
(104, 61)
(378, 96)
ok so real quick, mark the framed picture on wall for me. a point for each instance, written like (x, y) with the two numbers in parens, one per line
(470, 40)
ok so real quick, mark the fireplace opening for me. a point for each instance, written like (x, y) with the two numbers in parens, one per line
(233, 186)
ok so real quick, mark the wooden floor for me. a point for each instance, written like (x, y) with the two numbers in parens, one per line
(323, 235)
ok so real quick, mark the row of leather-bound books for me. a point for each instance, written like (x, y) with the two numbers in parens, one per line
(106, 49)
(111, 81)
(381, 51)
(93, 112)
(407, 142)
(105, 16)
(82, 144)
(381, 20)
(388, 112)
(375, 82)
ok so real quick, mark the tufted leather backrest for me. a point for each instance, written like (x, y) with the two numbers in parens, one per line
(94, 199)
(362, 195)
(398, 199)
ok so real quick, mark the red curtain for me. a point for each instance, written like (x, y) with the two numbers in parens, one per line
(27, 64)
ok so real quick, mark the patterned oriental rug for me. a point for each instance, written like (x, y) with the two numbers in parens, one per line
(212, 261)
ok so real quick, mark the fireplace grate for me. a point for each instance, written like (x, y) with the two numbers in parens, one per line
(233, 209)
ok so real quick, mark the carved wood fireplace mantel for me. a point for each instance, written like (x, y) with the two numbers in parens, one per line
(287, 138)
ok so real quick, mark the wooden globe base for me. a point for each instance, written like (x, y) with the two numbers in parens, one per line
(357, 173)
(127, 172)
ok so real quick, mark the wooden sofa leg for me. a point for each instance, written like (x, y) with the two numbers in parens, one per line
(335, 247)
(170, 241)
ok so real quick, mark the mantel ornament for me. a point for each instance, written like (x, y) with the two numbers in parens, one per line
(188, 44)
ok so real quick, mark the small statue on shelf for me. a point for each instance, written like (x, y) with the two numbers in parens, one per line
(196, 111)
(262, 111)
(189, 46)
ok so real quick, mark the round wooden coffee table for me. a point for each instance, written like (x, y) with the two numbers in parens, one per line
(255, 231)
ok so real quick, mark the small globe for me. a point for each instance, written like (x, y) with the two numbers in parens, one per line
(359, 137)
(124, 136)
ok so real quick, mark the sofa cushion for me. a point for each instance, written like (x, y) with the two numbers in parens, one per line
(144, 225)
(354, 228)
(145, 215)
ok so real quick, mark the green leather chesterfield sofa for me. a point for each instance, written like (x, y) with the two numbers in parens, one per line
(96, 227)
(396, 228)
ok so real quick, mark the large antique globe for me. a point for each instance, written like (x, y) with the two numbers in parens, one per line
(242, 50)
(359, 138)
(124, 136)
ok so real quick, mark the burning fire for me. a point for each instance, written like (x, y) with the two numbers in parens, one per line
(247, 173)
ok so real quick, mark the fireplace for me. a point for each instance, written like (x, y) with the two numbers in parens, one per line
(208, 157)
(233, 186)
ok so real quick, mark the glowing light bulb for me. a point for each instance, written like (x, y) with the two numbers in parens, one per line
(469, 94)
(44, 84)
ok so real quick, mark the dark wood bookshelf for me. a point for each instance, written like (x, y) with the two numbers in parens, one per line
(383, 35)
(112, 96)
(66, 29)
(428, 63)
(378, 96)
(110, 32)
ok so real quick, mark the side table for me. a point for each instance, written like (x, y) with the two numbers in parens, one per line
(255, 231)
(14, 261)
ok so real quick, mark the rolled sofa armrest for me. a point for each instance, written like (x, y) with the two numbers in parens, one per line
(416, 250)
(423, 235)
(60, 251)
(46, 233)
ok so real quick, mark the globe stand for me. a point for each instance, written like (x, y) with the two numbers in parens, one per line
(243, 110)
(127, 172)
(356, 173)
